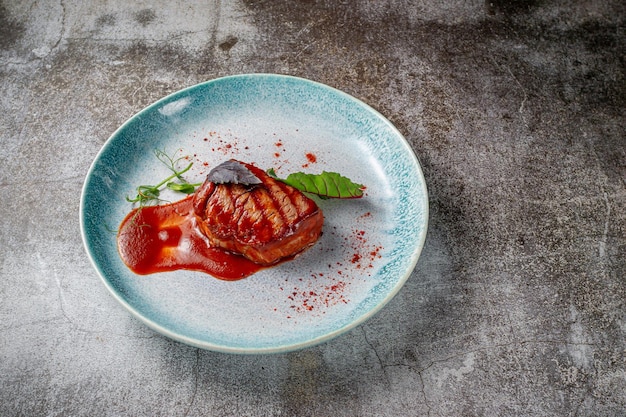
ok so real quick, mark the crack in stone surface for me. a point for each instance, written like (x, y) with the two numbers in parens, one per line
(65, 317)
(61, 319)
(62, 31)
(380, 361)
(196, 373)
(424, 396)
(489, 348)
(605, 232)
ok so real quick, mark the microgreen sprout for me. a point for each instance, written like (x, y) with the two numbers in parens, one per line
(147, 194)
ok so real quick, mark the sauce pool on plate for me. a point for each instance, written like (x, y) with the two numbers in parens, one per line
(166, 238)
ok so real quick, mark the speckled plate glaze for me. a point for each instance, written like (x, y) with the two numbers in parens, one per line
(369, 246)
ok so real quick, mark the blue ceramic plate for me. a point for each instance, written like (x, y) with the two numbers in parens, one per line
(369, 246)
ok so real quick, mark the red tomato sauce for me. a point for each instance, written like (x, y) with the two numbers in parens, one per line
(166, 238)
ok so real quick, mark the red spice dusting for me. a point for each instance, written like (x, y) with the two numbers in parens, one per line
(226, 143)
(317, 298)
(361, 252)
(355, 258)
(311, 158)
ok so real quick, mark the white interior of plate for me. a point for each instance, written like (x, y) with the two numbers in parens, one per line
(368, 248)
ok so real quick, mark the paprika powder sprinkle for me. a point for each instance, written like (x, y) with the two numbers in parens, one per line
(311, 157)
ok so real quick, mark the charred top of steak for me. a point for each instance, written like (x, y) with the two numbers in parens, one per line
(242, 209)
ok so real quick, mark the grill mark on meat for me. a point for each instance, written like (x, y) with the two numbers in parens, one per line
(268, 215)
(242, 204)
(291, 202)
(281, 204)
(288, 209)
(250, 224)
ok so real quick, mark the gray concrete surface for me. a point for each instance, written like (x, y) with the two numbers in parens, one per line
(516, 111)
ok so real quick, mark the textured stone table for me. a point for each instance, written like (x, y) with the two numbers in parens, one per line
(516, 112)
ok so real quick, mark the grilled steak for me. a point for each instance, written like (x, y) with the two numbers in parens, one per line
(255, 215)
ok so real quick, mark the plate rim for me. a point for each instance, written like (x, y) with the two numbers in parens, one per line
(416, 253)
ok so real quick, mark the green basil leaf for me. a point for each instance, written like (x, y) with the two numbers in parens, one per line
(325, 185)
